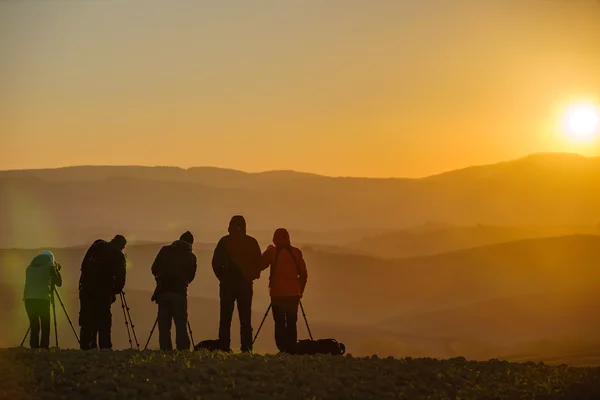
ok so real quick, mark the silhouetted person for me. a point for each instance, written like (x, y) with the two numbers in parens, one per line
(174, 269)
(41, 274)
(103, 272)
(287, 280)
(236, 264)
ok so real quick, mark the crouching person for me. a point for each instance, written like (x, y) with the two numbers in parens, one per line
(174, 269)
(287, 280)
(43, 273)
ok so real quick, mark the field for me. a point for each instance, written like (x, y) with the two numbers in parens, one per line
(28, 374)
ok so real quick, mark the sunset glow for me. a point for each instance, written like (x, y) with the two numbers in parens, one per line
(581, 122)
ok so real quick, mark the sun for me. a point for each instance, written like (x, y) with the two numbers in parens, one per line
(581, 122)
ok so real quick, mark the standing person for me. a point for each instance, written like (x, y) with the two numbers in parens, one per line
(41, 275)
(287, 280)
(236, 263)
(103, 273)
(174, 269)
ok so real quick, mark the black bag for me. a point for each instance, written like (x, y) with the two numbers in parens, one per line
(319, 346)
(210, 345)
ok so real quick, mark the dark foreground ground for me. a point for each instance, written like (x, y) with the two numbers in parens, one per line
(71, 374)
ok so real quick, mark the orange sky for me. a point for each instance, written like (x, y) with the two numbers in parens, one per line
(386, 88)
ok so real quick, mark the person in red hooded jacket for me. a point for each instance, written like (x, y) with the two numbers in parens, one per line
(287, 281)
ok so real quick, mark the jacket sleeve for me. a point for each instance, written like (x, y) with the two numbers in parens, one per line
(257, 259)
(55, 277)
(218, 259)
(120, 273)
(267, 258)
(192, 267)
(302, 271)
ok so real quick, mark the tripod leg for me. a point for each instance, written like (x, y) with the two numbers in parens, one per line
(130, 320)
(151, 333)
(126, 321)
(66, 314)
(306, 321)
(191, 335)
(261, 324)
(54, 316)
(25, 337)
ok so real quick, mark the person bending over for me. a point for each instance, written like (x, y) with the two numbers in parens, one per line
(174, 269)
(42, 274)
(103, 273)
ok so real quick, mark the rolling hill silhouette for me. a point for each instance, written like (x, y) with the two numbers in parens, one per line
(423, 241)
(156, 203)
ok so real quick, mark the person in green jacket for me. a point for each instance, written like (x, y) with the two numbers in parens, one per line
(42, 272)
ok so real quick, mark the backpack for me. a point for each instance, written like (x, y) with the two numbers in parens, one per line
(93, 268)
(319, 346)
(210, 345)
(168, 269)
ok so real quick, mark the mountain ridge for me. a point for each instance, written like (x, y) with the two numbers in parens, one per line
(548, 156)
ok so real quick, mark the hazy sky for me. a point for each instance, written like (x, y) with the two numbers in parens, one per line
(339, 87)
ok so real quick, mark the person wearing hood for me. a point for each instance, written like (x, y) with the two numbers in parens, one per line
(41, 275)
(236, 264)
(287, 280)
(103, 273)
(174, 269)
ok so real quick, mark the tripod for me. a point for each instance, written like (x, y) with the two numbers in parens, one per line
(128, 321)
(267, 313)
(154, 327)
(53, 292)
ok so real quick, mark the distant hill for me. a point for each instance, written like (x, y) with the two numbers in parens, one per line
(58, 206)
(423, 241)
(554, 166)
(511, 321)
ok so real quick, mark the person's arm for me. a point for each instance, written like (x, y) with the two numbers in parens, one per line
(257, 256)
(267, 257)
(192, 267)
(302, 271)
(218, 259)
(120, 273)
(55, 276)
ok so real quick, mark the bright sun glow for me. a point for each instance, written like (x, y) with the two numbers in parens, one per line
(581, 122)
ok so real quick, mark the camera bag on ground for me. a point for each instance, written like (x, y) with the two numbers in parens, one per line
(210, 345)
(319, 346)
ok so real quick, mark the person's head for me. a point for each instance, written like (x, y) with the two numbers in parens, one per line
(49, 256)
(237, 225)
(119, 242)
(187, 237)
(281, 237)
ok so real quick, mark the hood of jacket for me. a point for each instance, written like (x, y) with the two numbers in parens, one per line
(45, 258)
(237, 225)
(281, 237)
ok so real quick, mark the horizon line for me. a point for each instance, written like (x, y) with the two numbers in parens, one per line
(527, 155)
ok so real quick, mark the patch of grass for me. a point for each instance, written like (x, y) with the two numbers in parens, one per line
(201, 375)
